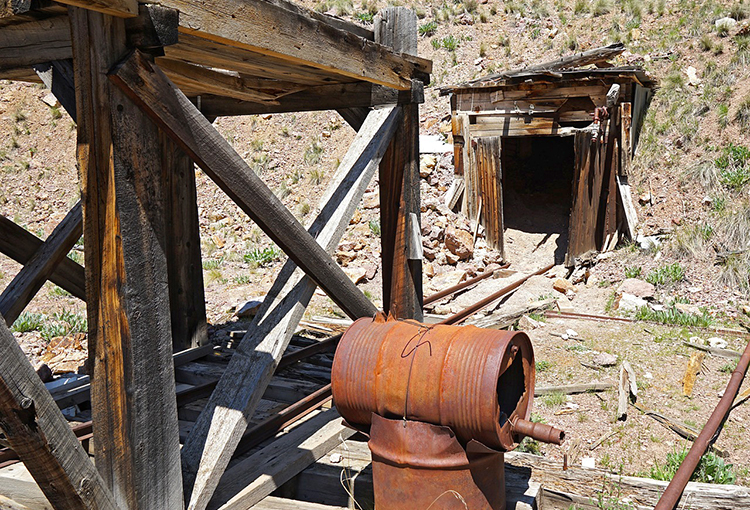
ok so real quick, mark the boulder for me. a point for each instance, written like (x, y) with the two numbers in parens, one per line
(605, 359)
(688, 309)
(638, 288)
(562, 286)
(459, 242)
(717, 342)
(356, 274)
(724, 25)
(427, 165)
(250, 308)
(630, 303)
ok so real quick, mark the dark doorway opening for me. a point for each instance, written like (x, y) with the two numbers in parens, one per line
(537, 189)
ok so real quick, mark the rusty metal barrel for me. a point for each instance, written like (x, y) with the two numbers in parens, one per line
(478, 382)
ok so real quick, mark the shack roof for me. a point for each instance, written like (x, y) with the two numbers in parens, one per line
(565, 71)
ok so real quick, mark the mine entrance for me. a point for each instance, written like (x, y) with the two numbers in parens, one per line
(537, 177)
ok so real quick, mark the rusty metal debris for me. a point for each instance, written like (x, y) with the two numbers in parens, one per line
(441, 404)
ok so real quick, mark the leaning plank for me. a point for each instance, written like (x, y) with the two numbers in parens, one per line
(19, 244)
(148, 87)
(36, 429)
(219, 428)
(22, 289)
(290, 34)
(256, 477)
(274, 503)
(35, 42)
(130, 343)
(586, 483)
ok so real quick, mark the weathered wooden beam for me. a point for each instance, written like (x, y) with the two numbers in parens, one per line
(19, 244)
(37, 431)
(20, 11)
(150, 89)
(218, 430)
(216, 83)
(130, 344)
(323, 97)
(35, 42)
(187, 299)
(290, 34)
(399, 183)
(154, 28)
(58, 77)
(118, 8)
(22, 289)
(355, 117)
(260, 474)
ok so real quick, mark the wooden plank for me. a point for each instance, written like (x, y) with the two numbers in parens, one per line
(19, 244)
(630, 214)
(316, 98)
(22, 289)
(187, 301)
(35, 42)
(558, 484)
(37, 431)
(219, 428)
(290, 34)
(570, 389)
(150, 89)
(399, 183)
(489, 170)
(275, 503)
(254, 478)
(119, 8)
(130, 344)
(691, 372)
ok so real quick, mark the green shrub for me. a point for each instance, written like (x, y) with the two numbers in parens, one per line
(672, 273)
(374, 227)
(710, 469)
(428, 29)
(632, 272)
(672, 315)
(28, 321)
(262, 257)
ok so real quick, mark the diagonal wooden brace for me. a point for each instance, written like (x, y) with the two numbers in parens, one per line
(161, 100)
(37, 431)
(219, 428)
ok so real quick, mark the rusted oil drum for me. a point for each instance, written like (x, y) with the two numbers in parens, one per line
(478, 382)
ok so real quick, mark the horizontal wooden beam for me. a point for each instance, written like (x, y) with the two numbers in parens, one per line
(151, 90)
(119, 8)
(35, 42)
(19, 244)
(295, 36)
(324, 97)
(37, 431)
(21, 11)
(22, 289)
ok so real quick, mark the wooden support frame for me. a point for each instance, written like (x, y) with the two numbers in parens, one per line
(130, 344)
(37, 431)
(151, 90)
(218, 430)
(35, 42)
(399, 184)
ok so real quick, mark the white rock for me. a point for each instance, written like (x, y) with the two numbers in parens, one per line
(692, 74)
(605, 359)
(588, 462)
(725, 24)
(571, 333)
(630, 303)
(648, 375)
(717, 342)
(336, 458)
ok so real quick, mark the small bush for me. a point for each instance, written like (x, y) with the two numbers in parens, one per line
(543, 365)
(553, 399)
(28, 321)
(580, 7)
(428, 29)
(672, 273)
(449, 42)
(262, 257)
(710, 469)
(313, 153)
(633, 272)
(672, 315)
(365, 17)
(374, 227)
(742, 117)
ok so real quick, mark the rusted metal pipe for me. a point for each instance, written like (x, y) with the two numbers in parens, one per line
(455, 288)
(539, 431)
(708, 435)
(471, 310)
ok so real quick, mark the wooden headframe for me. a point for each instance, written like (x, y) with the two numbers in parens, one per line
(142, 82)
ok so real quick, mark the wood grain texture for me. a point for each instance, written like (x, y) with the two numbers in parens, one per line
(225, 418)
(352, 96)
(187, 300)
(130, 345)
(24, 286)
(35, 42)
(399, 183)
(119, 8)
(19, 244)
(263, 472)
(161, 99)
(490, 177)
(37, 431)
(291, 34)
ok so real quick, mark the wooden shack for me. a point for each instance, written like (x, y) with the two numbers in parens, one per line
(548, 148)
(144, 83)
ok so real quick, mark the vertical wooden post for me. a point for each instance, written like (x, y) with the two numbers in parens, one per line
(399, 184)
(130, 343)
(187, 300)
